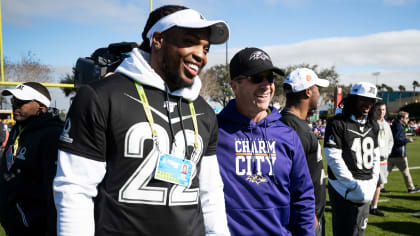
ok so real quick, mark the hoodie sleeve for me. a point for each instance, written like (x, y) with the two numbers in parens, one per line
(81, 164)
(333, 148)
(302, 205)
(75, 185)
(390, 139)
(211, 189)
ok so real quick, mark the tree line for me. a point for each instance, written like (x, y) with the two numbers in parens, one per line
(215, 79)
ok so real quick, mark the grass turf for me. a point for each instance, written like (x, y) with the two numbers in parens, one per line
(399, 205)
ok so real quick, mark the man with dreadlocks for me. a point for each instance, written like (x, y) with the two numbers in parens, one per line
(352, 154)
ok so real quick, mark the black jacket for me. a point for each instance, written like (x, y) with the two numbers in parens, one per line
(2, 133)
(26, 178)
(398, 132)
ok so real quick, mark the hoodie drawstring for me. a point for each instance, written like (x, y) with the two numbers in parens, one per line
(270, 159)
(168, 113)
(187, 153)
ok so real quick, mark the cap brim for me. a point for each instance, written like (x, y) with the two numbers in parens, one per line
(219, 30)
(255, 71)
(6, 92)
(322, 82)
(17, 93)
(377, 98)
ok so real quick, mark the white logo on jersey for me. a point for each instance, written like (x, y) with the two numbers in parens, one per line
(319, 153)
(331, 140)
(170, 106)
(364, 225)
(21, 154)
(360, 134)
(163, 116)
(65, 137)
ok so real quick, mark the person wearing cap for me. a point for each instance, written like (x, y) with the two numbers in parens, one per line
(28, 164)
(352, 154)
(138, 152)
(302, 94)
(398, 156)
(268, 188)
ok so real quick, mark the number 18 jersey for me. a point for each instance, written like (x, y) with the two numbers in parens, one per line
(357, 142)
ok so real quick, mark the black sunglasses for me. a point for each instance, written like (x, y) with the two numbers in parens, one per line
(256, 79)
(18, 103)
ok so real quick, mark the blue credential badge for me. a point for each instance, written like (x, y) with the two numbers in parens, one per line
(174, 170)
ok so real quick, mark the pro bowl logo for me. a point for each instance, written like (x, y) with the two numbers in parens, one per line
(259, 55)
(65, 137)
(10, 159)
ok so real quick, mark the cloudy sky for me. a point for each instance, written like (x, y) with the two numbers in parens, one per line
(358, 37)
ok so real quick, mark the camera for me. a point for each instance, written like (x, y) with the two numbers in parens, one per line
(101, 62)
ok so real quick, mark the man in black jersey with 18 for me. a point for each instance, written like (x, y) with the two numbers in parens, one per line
(138, 152)
(352, 154)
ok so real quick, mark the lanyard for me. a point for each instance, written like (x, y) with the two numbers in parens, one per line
(149, 115)
(16, 144)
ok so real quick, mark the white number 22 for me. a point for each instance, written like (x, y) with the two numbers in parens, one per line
(364, 152)
(136, 189)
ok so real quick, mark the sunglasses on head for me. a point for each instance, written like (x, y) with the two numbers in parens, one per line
(256, 79)
(17, 102)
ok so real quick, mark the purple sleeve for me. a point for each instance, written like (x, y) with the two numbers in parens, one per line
(302, 202)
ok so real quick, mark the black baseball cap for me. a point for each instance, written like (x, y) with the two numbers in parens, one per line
(251, 61)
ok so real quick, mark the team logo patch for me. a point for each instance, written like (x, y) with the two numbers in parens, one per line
(372, 90)
(170, 106)
(259, 55)
(21, 154)
(331, 140)
(65, 137)
(257, 179)
(364, 224)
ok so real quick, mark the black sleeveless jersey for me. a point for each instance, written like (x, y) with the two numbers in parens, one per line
(357, 142)
(107, 123)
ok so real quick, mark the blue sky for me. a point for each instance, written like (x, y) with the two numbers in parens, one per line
(359, 37)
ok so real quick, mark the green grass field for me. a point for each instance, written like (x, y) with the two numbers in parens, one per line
(398, 205)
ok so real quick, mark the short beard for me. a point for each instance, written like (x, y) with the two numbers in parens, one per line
(172, 77)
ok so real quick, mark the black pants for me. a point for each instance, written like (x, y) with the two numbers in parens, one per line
(320, 230)
(348, 218)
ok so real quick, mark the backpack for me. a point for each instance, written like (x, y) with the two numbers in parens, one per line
(101, 62)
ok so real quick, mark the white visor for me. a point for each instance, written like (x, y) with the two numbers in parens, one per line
(189, 18)
(27, 93)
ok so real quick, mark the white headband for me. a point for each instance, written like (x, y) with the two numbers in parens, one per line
(190, 18)
(26, 93)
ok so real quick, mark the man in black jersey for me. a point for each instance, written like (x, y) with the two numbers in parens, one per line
(138, 152)
(352, 154)
(302, 94)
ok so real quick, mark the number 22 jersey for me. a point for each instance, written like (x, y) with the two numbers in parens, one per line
(107, 123)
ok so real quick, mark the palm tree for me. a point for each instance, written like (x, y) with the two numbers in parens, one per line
(68, 79)
(402, 89)
(389, 90)
(415, 85)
